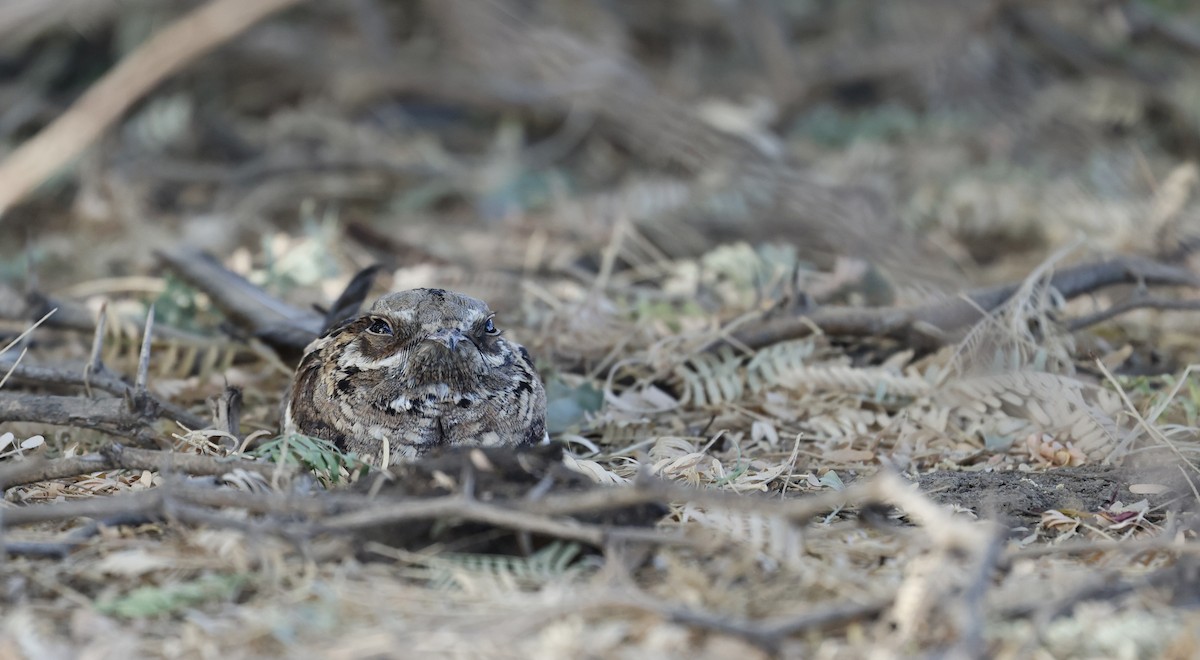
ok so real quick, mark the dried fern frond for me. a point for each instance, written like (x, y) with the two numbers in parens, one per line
(713, 379)
(777, 363)
(176, 354)
(775, 541)
(1030, 402)
(847, 423)
(1022, 332)
(878, 382)
(594, 471)
(473, 572)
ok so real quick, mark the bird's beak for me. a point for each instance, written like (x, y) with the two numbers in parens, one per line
(448, 338)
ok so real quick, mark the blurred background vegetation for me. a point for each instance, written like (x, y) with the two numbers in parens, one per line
(510, 136)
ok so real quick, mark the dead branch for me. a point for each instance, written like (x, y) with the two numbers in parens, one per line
(971, 611)
(508, 516)
(1128, 305)
(47, 549)
(285, 328)
(1074, 50)
(104, 380)
(95, 361)
(1103, 587)
(1143, 21)
(119, 457)
(144, 503)
(227, 411)
(168, 51)
(20, 472)
(339, 514)
(244, 303)
(174, 502)
(770, 633)
(109, 415)
(143, 370)
(935, 323)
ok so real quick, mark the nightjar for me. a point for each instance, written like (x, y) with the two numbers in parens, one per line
(421, 369)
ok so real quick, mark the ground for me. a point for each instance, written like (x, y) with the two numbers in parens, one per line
(865, 327)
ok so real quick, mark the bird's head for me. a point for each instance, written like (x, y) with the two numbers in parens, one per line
(425, 336)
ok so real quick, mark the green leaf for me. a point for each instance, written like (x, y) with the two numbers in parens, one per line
(321, 457)
(168, 599)
(568, 406)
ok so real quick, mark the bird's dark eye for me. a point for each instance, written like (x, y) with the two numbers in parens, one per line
(490, 328)
(380, 327)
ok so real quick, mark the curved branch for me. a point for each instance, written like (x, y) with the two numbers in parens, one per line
(933, 323)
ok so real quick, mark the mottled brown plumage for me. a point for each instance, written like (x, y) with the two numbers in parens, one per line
(421, 369)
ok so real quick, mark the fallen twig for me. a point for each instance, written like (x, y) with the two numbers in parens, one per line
(49, 549)
(971, 612)
(1144, 21)
(935, 323)
(1136, 302)
(144, 503)
(95, 362)
(143, 370)
(347, 513)
(104, 380)
(285, 328)
(109, 415)
(119, 457)
(770, 633)
(247, 305)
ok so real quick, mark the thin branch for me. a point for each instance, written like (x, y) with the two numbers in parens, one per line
(345, 512)
(143, 370)
(168, 51)
(108, 415)
(96, 362)
(144, 503)
(246, 304)
(1143, 20)
(8, 374)
(106, 381)
(164, 501)
(971, 610)
(46, 549)
(944, 317)
(1130, 304)
(25, 333)
(770, 633)
(117, 456)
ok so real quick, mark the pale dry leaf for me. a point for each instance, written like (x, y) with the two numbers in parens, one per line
(134, 563)
(33, 442)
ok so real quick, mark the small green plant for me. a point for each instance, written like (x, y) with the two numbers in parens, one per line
(321, 457)
(555, 561)
(182, 306)
(153, 601)
(833, 126)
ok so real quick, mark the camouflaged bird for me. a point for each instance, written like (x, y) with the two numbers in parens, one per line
(421, 369)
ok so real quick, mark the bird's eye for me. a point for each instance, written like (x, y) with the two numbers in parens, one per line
(380, 327)
(490, 328)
